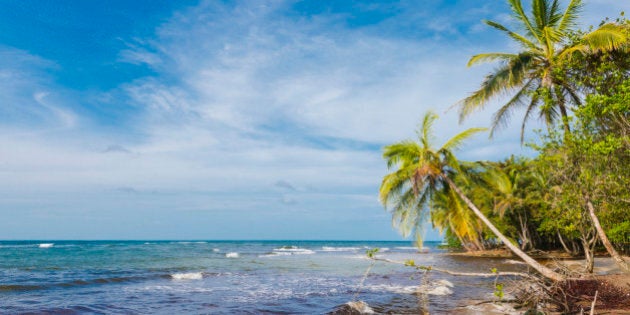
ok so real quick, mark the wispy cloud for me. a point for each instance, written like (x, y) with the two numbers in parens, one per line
(245, 99)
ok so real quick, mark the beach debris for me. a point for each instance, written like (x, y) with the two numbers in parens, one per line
(593, 304)
(574, 295)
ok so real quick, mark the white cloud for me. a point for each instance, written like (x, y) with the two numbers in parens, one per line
(245, 96)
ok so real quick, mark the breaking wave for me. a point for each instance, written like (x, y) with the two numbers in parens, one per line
(187, 276)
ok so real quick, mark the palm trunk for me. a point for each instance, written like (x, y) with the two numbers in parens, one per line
(602, 236)
(548, 273)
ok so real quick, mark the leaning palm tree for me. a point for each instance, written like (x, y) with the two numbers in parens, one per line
(534, 76)
(421, 173)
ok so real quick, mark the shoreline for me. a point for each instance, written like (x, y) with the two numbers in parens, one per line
(505, 253)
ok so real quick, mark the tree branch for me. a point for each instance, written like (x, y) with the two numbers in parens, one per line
(456, 273)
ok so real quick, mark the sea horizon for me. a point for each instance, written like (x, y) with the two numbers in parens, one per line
(213, 240)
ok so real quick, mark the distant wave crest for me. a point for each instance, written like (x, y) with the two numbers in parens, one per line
(187, 276)
(339, 249)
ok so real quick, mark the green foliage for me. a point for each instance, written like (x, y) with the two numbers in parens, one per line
(535, 76)
(371, 252)
(498, 291)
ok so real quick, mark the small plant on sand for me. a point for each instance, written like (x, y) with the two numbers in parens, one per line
(371, 252)
(498, 287)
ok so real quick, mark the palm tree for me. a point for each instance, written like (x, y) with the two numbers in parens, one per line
(448, 212)
(534, 75)
(422, 173)
(507, 200)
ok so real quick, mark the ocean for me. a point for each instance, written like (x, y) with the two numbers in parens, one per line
(234, 277)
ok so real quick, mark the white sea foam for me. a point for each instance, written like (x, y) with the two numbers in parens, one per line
(514, 262)
(440, 290)
(187, 276)
(46, 245)
(400, 289)
(407, 247)
(339, 249)
(294, 250)
(445, 283)
(216, 250)
(360, 307)
(275, 254)
(231, 255)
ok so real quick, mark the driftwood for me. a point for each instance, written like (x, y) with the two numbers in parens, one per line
(593, 304)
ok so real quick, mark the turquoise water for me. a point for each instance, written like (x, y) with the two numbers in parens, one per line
(227, 277)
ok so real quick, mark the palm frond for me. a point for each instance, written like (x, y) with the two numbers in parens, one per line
(568, 52)
(488, 57)
(570, 16)
(456, 141)
(549, 114)
(554, 15)
(530, 109)
(401, 152)
(519, 14)
(550, 39)
(540, 13)
(516, 36)
(425, 131)
(394, 183)
(502, 116)
(573, 94)
(408, 213)
(607, 37)
(502, 80)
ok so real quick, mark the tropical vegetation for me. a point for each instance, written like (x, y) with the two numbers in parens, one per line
(572, 197)
(534, 76)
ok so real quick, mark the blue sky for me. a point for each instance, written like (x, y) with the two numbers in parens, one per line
(228, 120)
